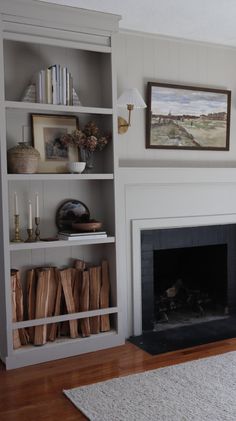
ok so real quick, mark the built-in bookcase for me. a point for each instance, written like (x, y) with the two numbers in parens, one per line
(81, 41)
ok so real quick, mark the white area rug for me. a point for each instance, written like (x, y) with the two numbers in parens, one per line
(201, 390)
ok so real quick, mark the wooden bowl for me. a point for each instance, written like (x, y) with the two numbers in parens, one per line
(89, 226)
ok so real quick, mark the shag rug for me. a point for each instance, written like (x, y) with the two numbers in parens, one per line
(200, 390)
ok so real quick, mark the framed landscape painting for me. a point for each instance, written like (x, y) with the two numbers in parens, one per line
(187, 117)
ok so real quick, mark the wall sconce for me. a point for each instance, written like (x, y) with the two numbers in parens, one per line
(130, 99)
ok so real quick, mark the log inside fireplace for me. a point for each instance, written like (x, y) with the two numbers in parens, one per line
(190, 286)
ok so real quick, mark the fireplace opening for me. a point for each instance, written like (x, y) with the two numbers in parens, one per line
(190, 286)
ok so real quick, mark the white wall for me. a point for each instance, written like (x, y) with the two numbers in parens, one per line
(142, 58)
(155, 193)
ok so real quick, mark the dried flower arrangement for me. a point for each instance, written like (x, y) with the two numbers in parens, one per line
(89, 139)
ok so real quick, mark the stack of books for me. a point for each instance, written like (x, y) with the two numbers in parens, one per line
(71, 235)
(54, 85)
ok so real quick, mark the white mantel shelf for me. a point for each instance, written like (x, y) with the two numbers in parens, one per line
(176, 175)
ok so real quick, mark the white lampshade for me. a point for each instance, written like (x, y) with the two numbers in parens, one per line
(132, 97)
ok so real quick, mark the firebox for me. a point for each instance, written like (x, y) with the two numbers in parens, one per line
(188, 276)
(190, 286)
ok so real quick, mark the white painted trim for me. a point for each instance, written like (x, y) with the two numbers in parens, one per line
(139, 225)
(175, 39)
(177, 175)
(62, 348)
(53, 15)
(64, 317)
(59, 177)
(35, 106)
(56, 42)
(60, 243)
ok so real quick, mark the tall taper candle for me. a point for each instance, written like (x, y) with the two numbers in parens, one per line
(37, 205)
(30, 226)
(16, 209)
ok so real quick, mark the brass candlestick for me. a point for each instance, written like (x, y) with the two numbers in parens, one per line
(17, 238)
(30, 238)
(37, 230)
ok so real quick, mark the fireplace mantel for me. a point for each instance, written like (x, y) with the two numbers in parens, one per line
(178, 174)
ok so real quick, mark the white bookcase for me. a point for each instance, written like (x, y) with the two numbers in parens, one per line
(34, 36)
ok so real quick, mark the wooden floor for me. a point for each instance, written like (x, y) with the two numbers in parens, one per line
(35, 393)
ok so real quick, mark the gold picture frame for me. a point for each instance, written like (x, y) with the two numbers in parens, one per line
(47, 130)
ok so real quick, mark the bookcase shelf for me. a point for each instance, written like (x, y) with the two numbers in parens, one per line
(63, 347)
(58, 177)
(60, 243)
(50, 108)
(47, 39)
(64, 317)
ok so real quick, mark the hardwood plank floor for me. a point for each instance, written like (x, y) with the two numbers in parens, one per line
(35, 393)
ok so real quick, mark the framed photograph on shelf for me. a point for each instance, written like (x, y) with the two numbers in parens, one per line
(47, 132)
(187, 117)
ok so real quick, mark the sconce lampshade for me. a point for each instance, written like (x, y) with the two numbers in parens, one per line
(130, 99)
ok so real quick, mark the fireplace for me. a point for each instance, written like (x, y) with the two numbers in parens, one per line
(188, 276)
(185, 289)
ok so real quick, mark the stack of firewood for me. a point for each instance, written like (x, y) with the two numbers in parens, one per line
(52, 292)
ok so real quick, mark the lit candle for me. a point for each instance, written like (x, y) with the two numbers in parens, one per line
(30, 216)
(37, 205)
(16, 209)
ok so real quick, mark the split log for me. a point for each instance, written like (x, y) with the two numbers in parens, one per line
(42, 301)
(31, 284)
(80, 264)
(24, 337)
(104, 296)
(16, 335)
(57, 311)
(94, 296)
(67, 276)
(76, 288)
(84, 303)
(51, 297)
(81, 295)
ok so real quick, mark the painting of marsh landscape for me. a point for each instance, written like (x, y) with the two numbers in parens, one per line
(182, 117)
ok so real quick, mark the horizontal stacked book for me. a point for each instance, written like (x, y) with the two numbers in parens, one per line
(75, 236)
(54, 85)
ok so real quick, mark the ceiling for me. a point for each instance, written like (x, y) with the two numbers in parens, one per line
(211, 21)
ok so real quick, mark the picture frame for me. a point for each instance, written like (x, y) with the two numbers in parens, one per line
(187, 117)
(47, 129)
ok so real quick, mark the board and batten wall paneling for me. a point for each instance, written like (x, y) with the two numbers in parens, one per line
(143, 58)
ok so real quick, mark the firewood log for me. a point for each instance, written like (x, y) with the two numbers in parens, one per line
(94, 296)
(42, 302)
(66, 276)
(31, 284)
(51, 297)
(57, 311)
(16, 336)
(80, 264)
(104, 296)
(81, 295)
(76, 288)
(24, 337)
(84, 303)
